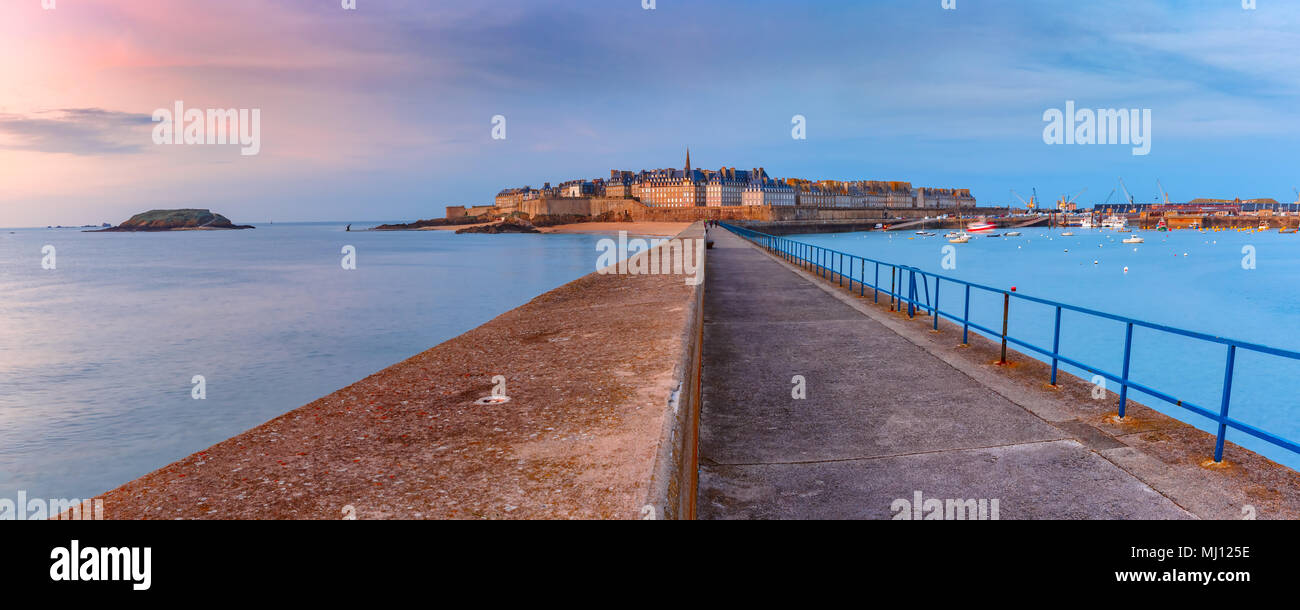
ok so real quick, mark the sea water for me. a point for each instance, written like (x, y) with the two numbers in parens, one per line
(98, 355)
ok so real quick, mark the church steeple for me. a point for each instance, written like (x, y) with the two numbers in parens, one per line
(688, 162)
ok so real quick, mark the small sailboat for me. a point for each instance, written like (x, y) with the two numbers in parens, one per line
(1014, 234)
(960, 239)
(1068, 234)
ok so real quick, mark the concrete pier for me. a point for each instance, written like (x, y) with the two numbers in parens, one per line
(887, 416)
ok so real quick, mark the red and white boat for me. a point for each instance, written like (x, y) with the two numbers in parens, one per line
(980, 228)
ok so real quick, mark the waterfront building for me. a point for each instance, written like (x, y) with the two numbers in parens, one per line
(729, 187)
(726, 187)
(765, 191)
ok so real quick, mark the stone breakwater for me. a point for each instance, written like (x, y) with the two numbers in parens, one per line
(602, 380)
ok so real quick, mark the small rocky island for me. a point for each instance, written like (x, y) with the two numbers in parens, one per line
(175, 220)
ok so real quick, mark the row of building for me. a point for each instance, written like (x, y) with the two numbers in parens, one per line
(728, 186)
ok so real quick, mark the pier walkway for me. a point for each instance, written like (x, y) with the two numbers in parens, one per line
(883, 418)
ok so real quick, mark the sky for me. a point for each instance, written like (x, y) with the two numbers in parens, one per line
(386, 112)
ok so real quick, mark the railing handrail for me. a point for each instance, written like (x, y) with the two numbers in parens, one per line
(1295, 355)
(896, 293)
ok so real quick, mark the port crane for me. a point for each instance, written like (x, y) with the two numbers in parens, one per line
(1065, 202)
(1032, 203)
(1164, 195)
(1112, 194)
(1127, 195)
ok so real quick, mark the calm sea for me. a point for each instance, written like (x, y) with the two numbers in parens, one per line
(1190, 280)
(98, 354)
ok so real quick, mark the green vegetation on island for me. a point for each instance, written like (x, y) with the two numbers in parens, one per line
(176, 220)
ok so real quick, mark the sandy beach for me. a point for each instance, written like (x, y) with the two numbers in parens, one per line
(667, 229)
(452, 227)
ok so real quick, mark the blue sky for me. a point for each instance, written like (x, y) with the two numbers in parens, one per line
(385, 112)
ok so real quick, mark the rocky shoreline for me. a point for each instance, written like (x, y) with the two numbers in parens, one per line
(509, 225)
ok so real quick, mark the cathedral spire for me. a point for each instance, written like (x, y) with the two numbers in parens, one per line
(688, 161)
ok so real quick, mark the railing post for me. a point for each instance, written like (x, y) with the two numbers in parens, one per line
(965, 320)
(1006, 309)
(862, 278)
(936, 303)
(1123, 384)
(1056, 344)
(911, 290)
(840, 272)
(1223, 410)
(893, 271)
(875, 286)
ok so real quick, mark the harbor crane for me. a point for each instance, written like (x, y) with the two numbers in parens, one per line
(1063, 203)
(1127, 195)
(1112, 194)
(1031, 204)
(1164, 195)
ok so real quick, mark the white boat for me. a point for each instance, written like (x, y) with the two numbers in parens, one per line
(960, 239)
(980, 227)
(952, 234)
(1067, 234)
(1133, 240)
(1119, 223)
(1013, 234)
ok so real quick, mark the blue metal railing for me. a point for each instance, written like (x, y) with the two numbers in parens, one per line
(840, 266)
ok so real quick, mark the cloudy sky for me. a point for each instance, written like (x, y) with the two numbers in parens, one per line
(385, 112)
